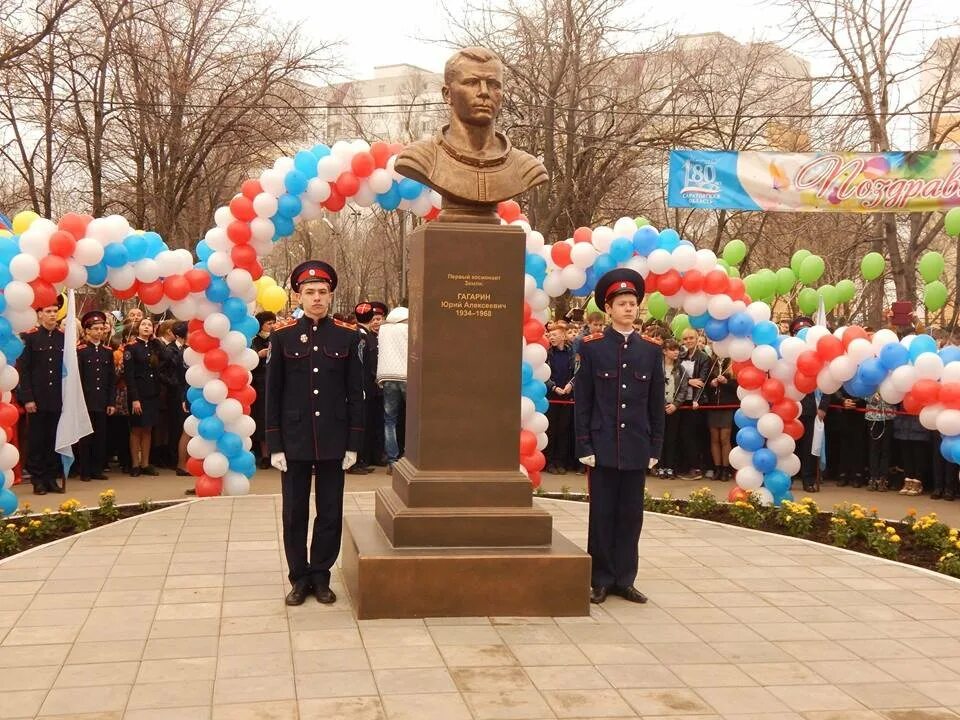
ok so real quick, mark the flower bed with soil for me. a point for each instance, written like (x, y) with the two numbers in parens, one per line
(28, 529)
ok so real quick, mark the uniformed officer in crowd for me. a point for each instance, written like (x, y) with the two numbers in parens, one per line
(314, 426)
(619, 416)
(369, 318)
(260, 345)
(98, 378)
(41, 372)
(810, 410)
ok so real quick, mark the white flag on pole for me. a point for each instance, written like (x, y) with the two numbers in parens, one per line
(74, 419)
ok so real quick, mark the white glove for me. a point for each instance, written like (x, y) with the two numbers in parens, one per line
(279, 461)
(653, 461)
(349, 460)
(589, 460)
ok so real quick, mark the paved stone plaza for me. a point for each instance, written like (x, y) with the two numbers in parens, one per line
(180, 614)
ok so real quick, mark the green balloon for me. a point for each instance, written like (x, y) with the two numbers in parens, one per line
(641, 221)
(752, 284)
(679, 323)
(811, 269)
(872, 266)
(808, 301)
(951, 222)
(797, 260)
(830, 297)
(786, 279)
(768, 278)
(591, 307)
(846, 290)
(657, 306)
(931, 265)
(935, 295)
(734, 252)
(733, 271)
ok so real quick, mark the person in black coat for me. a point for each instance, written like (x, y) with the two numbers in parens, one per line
(692, 426)
(619, 417)
(142, 358)
(810, 410)
(369, 318)
(314, 426)
(98, 378)
(173, 376)
(41, 371)
(260, 344)
(562, 362)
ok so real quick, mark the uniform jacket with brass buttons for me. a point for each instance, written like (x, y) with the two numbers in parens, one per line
(619, 412)
(141, 368)
(98, 376)
(41, 369)
(314, 390)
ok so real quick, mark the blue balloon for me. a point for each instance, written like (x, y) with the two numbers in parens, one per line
(115, 255)
(289, 206)
(750, 439)
(235, 309)
(218, 290)
(922, 344)
(136, 247)
(249, 327)
(409, 189)
(306, 163)
(742, 420)
(950, 448)
(765, 460)
(211, 428)
(321, 151)
(858, 387)
(243, 463)
(669, 239)
(194, 394)
(526, 372)
(740, 324)
(230, 444)
(604, 264)
(203, 250)
(5, 276)
(541, 404)
(787, 496)
(765, 333)
(893, 355)
(8, 502)
(155, 243)
(950, 353)
(621, 250)
(96, 274)
(533, 389)
(802, 333)
(698, 322)
(283, 226)
(872, 371)
(13, 349)
(295, 182)
(9, 249)
(645, 240)
(202, 407)
(390, 200)
(716, 329)
(6, 330)
(776, 481)
(537, 267)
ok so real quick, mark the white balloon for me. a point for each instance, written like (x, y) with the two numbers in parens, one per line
(720, 307)
(35, 243)
(233, 342)
(222, 216)
(770, 425)
(948, 422)
(538, 300)
(764, 496)
(842, 368)
(265, 205)
(542, 373)
(22, 320)
(814, 334)
(638, 264)
(951, 372)
(534, 241)
(749, 478)
(9, 377)
(542, 441)
(24, 267)
(603, 236)
(9, 456)
(283, 164)
(582, 255)
(859, 350)
(527, 410)
(684, 258)
(741, 348)
(677, 299)
(76, 275)
(147, 270)
(538, 423)
(216, 464)
(553, 284)
(754, 406)
(929, 415)
(167, 262)
(200, 448)
(791, 348)
(220, 263)
(764, 357)
(722, 347)
(328, 170)
(573, 276)
(740, 458)
(889, 393)
(696, 304)
(907, 340)
(625, 227)
(248, 359)
(121, 278)
(88, 251)
(706, 260)
(903, 378)
(217, 325)
(789, 465)
(198, 376)
(758, 311)
(659, 261)
(215, 391)
(186, 309)
(240, 282)
(217, 239)
(247, 444)
(784, 372)
(781, 445)
(535, 354)
(883, 337)
(827, 383)
(183, 261)
(191, 425)
(364, 196)
(929, 366)
(244, 426)
(229, 410)
(235, 483)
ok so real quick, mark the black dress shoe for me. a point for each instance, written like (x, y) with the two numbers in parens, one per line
(98, 476)
(631, 594)
(182, 473)
(149, 470)
(59, 489)
(360, 470)
(84, 479)
(39, 491)
(134, 472)
(324, 595)
(298, 593)
(598, 595)
(264, 463)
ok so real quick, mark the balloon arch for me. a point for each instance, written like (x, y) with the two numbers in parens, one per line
(217, 294)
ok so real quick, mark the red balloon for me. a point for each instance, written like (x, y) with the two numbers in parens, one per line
(829, 347)
(926, 392)
(255, 269)
(852, 333)
(670, 282)
(347, 184)
(534, 462)
(737, 365)
(336, 201)
(528, 442)
(381, 153)
(207, 486)
(532, 330)
(243, 255)
(716, 282)
(53, 269)
(793, 428)
(911, 404)
(751, 377)
(250, 189)
(560, 253)
(216, 359)
(242, 208)
(509, 210)
(651, 283)
(809, 363)
(362, 164)
(772, 390)
(75, 224)
(176, 287)
(152, 292)
(201, 342)
(582, 234)
(432, 215)
(9, 415)
(239, 232)
(194, 325)
(234, 376)
(693, 281)
(535, 479)
(395, 148)
(128, 293)
(244, 395)
(544, 342)
(43, 293)
(805, 383)
(950, 395)
(63, 243)
(786, 409)
(527, 312)
(195, 466)
(199, 280)
(737, 493)
(736, 289)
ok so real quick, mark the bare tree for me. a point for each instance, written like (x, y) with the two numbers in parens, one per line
(23, 25)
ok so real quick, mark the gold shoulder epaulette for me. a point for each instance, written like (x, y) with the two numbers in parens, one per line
(344, 325)
(285, 324)
(594, 336)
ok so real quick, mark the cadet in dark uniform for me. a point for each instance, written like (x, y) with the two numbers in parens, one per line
(173, 377)
(99, 378)
(810, 409)
(260, 344)
(314, 426)
(141, 368)
(370, 316)
(619, 417)
(41, 374)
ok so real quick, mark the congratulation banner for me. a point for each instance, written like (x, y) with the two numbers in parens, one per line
(804, 182)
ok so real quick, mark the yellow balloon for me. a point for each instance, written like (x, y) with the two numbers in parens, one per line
(6, 233)
(267, 281)
(273, 299)
(23, 220)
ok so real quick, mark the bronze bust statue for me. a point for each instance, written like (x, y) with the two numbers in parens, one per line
(468, 162)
